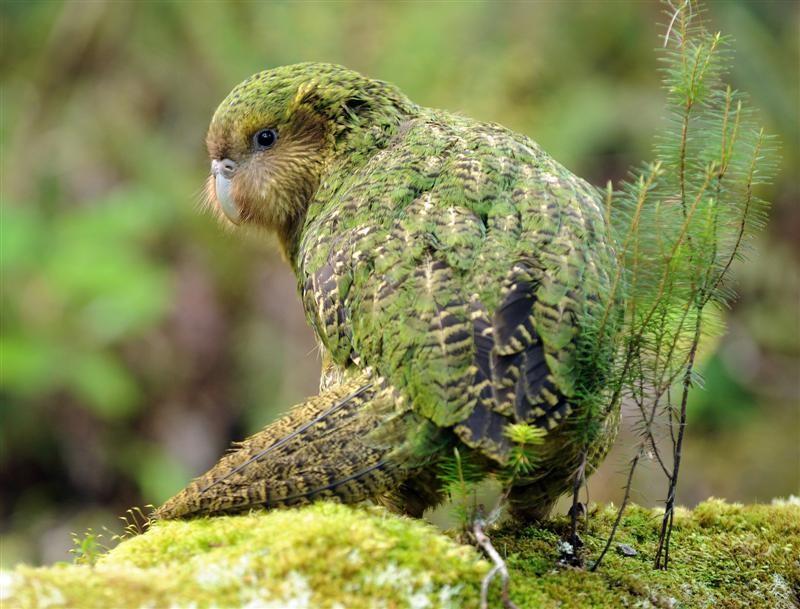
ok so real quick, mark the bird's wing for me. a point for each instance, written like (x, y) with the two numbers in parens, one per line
(457, 264)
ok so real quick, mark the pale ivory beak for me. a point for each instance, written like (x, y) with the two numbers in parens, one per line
(223, 171)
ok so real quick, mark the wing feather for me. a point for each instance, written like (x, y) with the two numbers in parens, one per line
(466, 268)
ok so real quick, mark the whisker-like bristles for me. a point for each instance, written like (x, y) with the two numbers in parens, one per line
(206, 198)
(205, 195)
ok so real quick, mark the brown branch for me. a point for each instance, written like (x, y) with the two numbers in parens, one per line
(620, 512)
(662, 554)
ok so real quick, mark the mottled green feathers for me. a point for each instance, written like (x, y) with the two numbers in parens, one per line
(450, 269)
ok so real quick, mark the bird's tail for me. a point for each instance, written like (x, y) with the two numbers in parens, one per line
(346, 442)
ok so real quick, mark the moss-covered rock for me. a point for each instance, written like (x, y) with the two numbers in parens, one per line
(332, 556)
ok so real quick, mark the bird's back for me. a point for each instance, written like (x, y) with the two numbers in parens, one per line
(459, 263)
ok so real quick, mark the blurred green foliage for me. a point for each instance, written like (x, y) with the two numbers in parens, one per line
(138, 337)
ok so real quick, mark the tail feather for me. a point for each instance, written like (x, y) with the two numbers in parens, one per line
(336, 444)
(292, 435)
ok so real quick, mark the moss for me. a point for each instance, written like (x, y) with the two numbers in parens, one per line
(721, 555)
(328, 555)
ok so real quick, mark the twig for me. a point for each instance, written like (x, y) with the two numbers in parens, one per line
(580, 477)
(672, 21)
(662, 554)
(621, 511)
(499, 567)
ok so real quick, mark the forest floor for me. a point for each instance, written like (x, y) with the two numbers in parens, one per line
(337, 557)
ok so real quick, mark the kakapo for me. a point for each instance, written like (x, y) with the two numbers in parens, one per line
(453, 273)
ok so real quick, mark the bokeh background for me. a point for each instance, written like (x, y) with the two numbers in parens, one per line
(139, 338)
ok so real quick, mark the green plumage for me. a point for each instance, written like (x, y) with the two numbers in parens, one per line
(453, 273)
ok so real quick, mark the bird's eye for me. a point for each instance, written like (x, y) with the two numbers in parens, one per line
(265, 138)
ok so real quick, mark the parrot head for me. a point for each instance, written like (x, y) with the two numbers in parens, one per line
(276, 134)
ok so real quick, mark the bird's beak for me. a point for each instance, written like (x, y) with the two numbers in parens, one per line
(223, 171)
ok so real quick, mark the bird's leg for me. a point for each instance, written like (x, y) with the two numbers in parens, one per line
(531, 503)
(577, 509)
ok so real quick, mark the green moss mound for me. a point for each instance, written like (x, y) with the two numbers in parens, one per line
(337, 557)
(326, 555)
